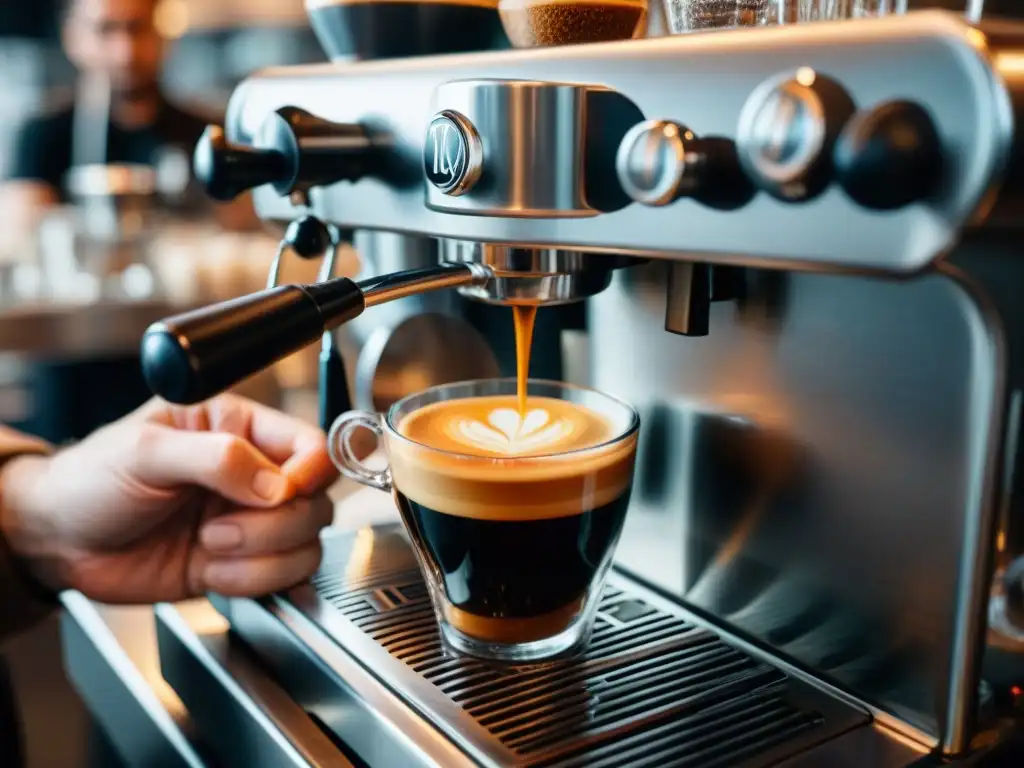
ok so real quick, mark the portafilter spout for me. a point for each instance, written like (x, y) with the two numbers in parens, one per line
(196, 355)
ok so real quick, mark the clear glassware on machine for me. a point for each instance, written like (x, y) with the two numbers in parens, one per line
(694, 15)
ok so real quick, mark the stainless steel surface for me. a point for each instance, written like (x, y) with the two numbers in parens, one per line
(110, 658)
(404, 346)
(526, 147)
(230, 711)
(701, 81)
(542, 277)
(822, 479)
(891, 422)
(381, 289)
(654, 688)
(244, 717)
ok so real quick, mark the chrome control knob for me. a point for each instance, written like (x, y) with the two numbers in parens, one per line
(660, 161)
(787, 132)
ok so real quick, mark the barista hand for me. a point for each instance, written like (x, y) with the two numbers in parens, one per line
(170, 503)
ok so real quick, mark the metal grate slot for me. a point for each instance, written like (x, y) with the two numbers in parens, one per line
(684, 741)
(604, 721)
(651, 690)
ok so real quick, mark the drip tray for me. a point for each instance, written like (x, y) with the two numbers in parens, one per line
(653, 688)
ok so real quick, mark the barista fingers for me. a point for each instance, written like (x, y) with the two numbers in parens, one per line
(118, 50)
(536, 23)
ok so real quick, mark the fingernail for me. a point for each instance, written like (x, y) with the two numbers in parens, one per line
(269, 485)
(220, 537)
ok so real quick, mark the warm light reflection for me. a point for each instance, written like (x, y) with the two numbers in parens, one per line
(1010, 62)
(359, 561)
(806, 76)
(171, 18)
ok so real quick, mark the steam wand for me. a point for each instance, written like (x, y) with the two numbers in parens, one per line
(309, 238)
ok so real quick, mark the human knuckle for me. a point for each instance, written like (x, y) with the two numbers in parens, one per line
(147, 440)
(231, 454)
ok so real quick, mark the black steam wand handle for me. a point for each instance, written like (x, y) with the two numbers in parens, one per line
(227, 170)
(195, 355)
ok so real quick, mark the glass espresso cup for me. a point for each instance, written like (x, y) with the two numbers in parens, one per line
(514, 518)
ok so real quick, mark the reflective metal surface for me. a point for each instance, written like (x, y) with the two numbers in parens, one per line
(528, 149)
(825, 477)
(541, 277)
(701, 81)
(813, 479)
(245, 718)
(401, 347)
(110, 658)
(653, 689)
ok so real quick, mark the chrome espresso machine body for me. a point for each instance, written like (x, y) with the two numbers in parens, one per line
(820, 565)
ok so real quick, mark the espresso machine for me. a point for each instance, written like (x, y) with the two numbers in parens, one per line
(798, 249)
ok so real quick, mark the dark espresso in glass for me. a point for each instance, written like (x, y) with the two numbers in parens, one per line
(386, 29)
(516, 535)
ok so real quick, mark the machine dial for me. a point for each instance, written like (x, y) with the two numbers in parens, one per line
(293, 151)
(452, 153)
(889, 157)
(660, 161)
(787, 131)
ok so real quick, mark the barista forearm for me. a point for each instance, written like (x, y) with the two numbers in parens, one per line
(23, 602)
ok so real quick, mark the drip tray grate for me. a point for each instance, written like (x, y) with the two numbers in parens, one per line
(652, 688)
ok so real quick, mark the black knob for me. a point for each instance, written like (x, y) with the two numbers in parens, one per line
(193, 356)
(227, 170)
(787, 132)
(308, 237)
(293, 151)
(688, 304)
(889, 157)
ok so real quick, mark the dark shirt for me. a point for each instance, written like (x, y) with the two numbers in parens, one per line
(43, 150)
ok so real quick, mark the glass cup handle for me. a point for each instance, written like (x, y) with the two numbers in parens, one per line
(339, 448)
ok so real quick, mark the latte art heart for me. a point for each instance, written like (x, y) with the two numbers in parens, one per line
(508, 433)
(491, 427)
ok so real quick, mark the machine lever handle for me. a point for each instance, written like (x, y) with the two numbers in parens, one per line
(227, 170)
(294, 151)
(196, 355)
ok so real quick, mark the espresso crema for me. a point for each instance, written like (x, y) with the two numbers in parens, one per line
(516, 514)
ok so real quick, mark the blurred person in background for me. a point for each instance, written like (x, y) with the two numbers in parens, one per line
(116, 42)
